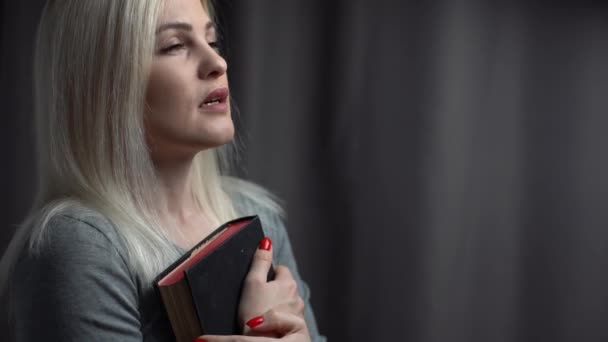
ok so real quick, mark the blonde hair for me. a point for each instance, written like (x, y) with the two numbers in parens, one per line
(90, 71)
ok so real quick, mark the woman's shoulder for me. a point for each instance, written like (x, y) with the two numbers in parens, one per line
(72, 232)
(72, 246)
(77, 270)
(82, 220)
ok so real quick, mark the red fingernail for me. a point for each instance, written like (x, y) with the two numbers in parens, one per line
(255, 321)
(266, 244)
(198, 339)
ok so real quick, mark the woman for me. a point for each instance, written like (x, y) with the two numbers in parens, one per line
(132, 106)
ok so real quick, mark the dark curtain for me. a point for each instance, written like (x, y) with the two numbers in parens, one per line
(443, 163)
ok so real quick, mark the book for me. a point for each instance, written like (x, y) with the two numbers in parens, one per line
(201, 290)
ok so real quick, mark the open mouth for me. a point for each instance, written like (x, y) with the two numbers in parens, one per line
(212, 102)
(218, 96)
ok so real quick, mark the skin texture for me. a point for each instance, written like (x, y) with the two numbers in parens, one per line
(186, 68)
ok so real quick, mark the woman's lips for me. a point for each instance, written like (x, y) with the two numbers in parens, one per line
(216, 101)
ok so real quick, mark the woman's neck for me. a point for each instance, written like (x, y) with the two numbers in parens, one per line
(185, 219)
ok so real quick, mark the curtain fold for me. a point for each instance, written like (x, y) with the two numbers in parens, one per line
(449, 155)
(443, 163)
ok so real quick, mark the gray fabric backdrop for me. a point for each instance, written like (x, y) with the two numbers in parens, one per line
(443, 162)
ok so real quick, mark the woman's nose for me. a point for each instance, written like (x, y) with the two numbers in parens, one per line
(212, 64)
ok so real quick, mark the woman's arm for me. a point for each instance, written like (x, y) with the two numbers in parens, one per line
(77, 288)
(274, 228)
(289, 326)
(283, 255)
(271, 309)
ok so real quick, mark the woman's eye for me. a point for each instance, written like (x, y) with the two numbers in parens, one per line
(173, 48)
(215, 46)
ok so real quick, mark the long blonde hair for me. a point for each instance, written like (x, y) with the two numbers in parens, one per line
(90, 70)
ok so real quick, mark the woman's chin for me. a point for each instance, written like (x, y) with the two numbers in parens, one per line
(218, 138)
(224, 141)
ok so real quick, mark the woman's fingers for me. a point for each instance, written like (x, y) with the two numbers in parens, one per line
(282, 273)
(235, 338)
(262, 261)
(277, 322)
(284, 276)
(260, 296)
(294, 306)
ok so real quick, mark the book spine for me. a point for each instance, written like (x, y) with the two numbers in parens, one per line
(177, 299)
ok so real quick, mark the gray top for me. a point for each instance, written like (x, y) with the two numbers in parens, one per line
(79, 288)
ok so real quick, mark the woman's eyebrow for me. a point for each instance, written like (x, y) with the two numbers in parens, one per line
(174, 25)
(178, 25)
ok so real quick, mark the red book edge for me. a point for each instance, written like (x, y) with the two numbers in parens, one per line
(178, 273)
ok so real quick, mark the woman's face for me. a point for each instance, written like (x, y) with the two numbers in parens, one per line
(188, 109)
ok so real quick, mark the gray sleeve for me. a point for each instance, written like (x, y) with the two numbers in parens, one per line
(283, 255)
(77, 288)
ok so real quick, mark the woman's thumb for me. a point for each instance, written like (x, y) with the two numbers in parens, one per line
(262, 261)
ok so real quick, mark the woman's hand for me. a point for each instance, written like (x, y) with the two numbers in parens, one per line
(259, 296)
(288, 327)
(275, 303)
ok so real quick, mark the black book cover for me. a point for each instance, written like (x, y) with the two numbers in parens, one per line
(216, 280)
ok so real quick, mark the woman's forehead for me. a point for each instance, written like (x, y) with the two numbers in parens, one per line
(186, 11)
